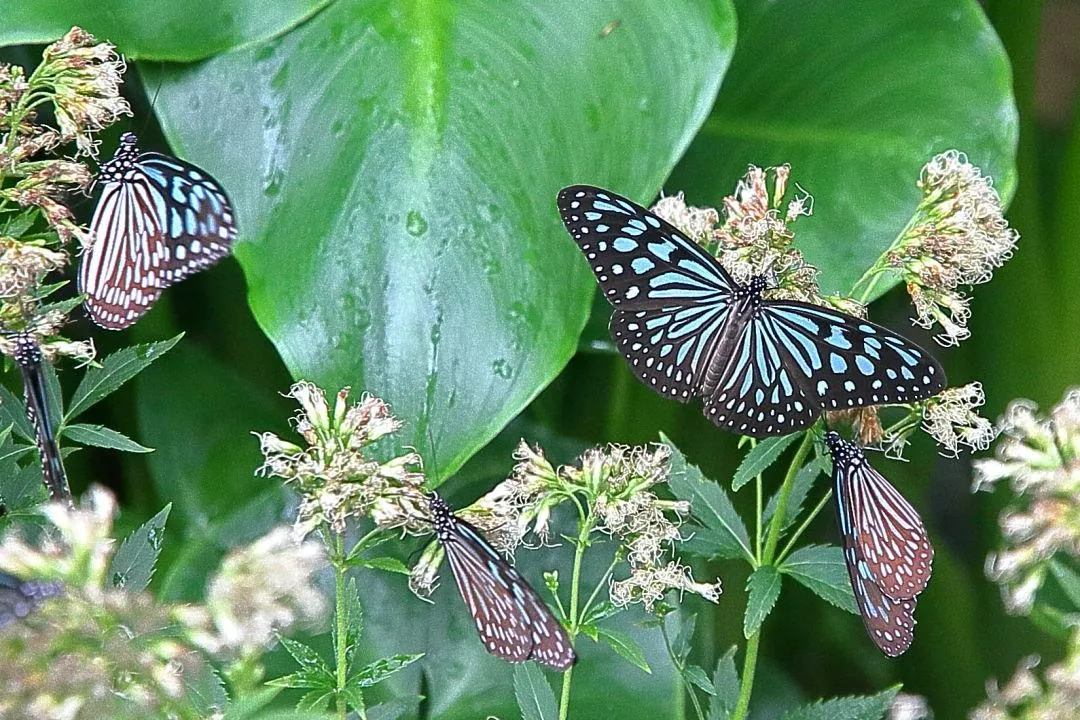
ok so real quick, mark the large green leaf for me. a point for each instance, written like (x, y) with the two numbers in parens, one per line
(156, 29)
(856, 97)
(394, 167)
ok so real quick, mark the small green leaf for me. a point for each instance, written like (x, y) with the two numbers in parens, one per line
(822, 569)
(534, 696)
(367, 543)
(304, 679)
(868, 707)
(760, 458)
(306, 657)
(1068, 579)
(725, 687)
(600, 611)
(248, 704)
(800, 488)
(23, 490)
(680, 646)
(354, 699)
(115, 370)
(315, 699)
(13, 412)
(387, 564)
(379, 670)
(624, 645)
(698, 678)
(103, 437)
(354, 623)
(763, 588)
(726, 536)
(133, 565)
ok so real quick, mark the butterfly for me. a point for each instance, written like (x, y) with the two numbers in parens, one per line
(512, 619)
(19, 598)
(158, 220)
(887, 551)
(28, 358)
(688, 329)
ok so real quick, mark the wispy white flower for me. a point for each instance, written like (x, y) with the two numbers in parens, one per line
(951, 419)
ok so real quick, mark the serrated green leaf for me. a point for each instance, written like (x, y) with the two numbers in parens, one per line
(115, 370)
(822, 569)
(625, 646)
(205, 691)
(697, 677)
(711, 506)
(680, 646)
(102, 437)
(800, 488)
(760, 458)
(591, 631)
(13, 412)
(306, 657)
(305, 679)
(869, 707)
(133, 565)
(534, 696)
(600, 611)
(1068, 579)
(354, 624)
(387, 564)
(245, 706)
(763, 588)
(23, 489)
(381, 669)
(725, 687)
(354, 699)
(315, 699)
(367, 543)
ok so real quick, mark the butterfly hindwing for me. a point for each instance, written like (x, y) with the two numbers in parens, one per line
(889, 623)
(19, 598)
(512, 620)
(845, 362)
(158, 220)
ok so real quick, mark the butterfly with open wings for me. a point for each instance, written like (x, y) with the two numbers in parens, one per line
(688, 329)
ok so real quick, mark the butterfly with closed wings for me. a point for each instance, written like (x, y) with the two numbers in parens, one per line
(28, 358)
(158, 220)
(19, 598)
(512, 619)
(688, 329)
(886, 548)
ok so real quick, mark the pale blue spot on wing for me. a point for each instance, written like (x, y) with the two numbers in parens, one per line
(837, 363)
(624, 244)
(642, 265)
(662, 250)
(865, 366)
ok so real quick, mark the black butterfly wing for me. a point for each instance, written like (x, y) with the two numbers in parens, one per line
(29, 359)
(511, 618)
(757, 396)
(843, 362)
(19, 598)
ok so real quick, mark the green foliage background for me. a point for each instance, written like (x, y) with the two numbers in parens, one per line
(394, 167)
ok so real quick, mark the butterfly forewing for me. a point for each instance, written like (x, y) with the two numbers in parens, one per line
(511, 618)
(886, 530)
(640, 260)
(30, 362)
(158, 220)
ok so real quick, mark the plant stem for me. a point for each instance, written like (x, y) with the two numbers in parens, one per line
(341, 662)
(805, 523)
(575, 587)
(681, 668)
(768, 556)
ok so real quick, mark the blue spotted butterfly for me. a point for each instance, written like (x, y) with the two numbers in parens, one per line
(886, 548)
(512, 619)
(764, 367)
(19, 598)
(28, 358)
(158, 220)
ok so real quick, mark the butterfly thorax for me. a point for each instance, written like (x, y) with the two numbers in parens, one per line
(122, 163)
(442, 517)
(27, 351)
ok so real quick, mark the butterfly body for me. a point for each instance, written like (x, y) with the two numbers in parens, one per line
(158, 220)
(688, 329)
(886, 547)
(29, 360)
(18, 598)
(511, 618)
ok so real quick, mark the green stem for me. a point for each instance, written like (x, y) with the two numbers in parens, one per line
(342, 634)
(575, 590)
(768, 557)
(681, 668)
(805, 523)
